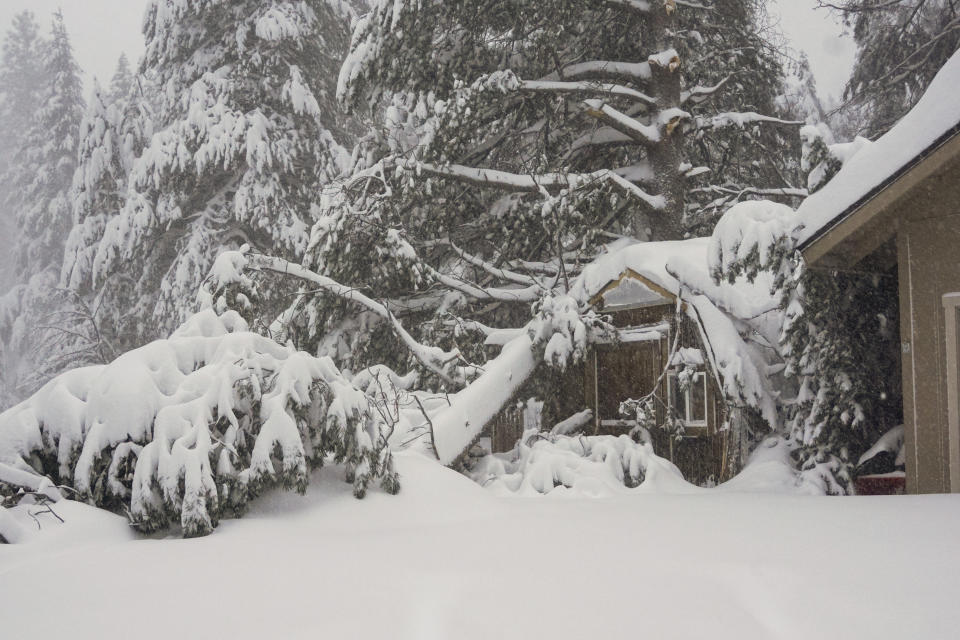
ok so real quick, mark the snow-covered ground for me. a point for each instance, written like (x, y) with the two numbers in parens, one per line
(449, 559)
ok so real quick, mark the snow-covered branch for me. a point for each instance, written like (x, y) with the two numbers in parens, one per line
(640, 6)
(433, 358)
(644, 134)
(536, 183)
(792, 192)
(526, 294)
(499, 272)
(601, 137)
(635, 72)
(698, 94)
(742, 119)
(616, 90)
(557, 336)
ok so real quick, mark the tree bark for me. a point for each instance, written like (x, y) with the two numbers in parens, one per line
(665, 156)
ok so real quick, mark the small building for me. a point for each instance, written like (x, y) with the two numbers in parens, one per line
(894, 211)
(659, 352)
(671, 344)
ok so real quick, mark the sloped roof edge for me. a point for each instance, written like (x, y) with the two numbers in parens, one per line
(880, 188)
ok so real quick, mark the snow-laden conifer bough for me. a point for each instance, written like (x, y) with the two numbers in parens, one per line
(185, 430)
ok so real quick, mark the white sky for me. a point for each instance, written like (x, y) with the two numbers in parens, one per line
(102, 29)
(819, 34)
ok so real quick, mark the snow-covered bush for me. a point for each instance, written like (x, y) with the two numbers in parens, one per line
(189, 429)
(542, 462)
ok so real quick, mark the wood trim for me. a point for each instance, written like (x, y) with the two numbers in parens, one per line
(867, 216)
(633, 275)
(951, 305)
(596, 393)
(907, 363)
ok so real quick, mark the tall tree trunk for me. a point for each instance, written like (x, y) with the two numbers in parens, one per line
(666, 156)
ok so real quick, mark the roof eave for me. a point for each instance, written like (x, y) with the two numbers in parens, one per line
(869, 206)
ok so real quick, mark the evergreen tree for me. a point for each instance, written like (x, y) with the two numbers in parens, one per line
(244, 134)
(122, 81)
(47, 159)
(97, 195)
(733, 44)
(42, 327)
(838, 337)
(21, 74)
(901, 46)
(513, 139)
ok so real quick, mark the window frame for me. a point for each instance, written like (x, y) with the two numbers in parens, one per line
(699, 377)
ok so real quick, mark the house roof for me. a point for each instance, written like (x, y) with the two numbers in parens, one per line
(934, 121)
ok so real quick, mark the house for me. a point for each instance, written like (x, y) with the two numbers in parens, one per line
(677, 340)
(894, 210)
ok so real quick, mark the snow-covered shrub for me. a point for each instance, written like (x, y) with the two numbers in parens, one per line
(542, 462)
(189, 429)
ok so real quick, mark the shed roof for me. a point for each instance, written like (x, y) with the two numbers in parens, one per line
(931, 123)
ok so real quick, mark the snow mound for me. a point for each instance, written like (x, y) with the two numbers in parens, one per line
(582, 466)
(190, 428)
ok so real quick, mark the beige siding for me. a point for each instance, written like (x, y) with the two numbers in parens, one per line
(931, 269)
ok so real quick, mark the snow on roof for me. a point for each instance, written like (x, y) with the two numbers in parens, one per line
(721, 310)
(663, 263)
(935, 116)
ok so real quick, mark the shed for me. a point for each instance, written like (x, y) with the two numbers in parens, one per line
(656, 346)
(894, 209)
(679, 340)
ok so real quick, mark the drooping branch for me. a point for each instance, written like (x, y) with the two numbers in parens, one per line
(698, 94)
(647, 135)
(741, 119)
(499, 272)
(433, 358)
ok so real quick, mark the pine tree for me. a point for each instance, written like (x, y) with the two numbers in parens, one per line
(244, 134)
(97, 195)
(838, 337)
(900, 47)
(122, 82)
(20, 81)
(42, 327)
(20, 75)
(512, 140)
(47, 159)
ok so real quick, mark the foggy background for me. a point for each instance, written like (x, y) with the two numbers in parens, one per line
(103, 29)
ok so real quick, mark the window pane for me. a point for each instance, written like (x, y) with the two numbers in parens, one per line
(698, 399)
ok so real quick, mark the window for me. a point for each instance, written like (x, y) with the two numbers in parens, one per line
(690, 405)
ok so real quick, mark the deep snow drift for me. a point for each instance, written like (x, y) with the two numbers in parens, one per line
(448, 559)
